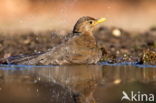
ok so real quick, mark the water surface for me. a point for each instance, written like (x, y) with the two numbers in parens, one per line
(103, 83)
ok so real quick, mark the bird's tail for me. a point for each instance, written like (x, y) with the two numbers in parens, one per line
(18, 59)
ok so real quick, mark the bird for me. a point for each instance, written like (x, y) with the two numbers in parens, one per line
(81, 48)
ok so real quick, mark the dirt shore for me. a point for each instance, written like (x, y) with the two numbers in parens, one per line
(117, 45)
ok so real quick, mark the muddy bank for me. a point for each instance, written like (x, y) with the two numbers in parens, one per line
(117, 44)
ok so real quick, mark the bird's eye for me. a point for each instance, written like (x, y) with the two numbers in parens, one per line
(91, 22)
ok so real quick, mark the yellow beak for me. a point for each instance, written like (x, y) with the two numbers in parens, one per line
(100, 20)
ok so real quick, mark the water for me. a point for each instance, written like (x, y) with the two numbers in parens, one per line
(102, 83)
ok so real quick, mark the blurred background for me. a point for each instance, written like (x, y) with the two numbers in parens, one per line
(42, 15)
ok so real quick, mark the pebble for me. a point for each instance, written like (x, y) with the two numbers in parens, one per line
(116, 32)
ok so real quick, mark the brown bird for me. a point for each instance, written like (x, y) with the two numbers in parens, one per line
(81, 48)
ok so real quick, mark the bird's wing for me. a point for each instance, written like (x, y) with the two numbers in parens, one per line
(57, 55)
(50, 55)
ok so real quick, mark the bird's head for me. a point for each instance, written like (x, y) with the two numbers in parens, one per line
(86, 24)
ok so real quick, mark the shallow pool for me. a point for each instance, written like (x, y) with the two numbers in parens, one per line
(103, 83)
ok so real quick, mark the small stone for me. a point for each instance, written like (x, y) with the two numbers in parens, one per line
(148, 57)
(7, 55)
(116, 32)
(26, 41)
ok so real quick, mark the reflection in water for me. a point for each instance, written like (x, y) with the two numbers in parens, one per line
(67, 84)
(81, 79)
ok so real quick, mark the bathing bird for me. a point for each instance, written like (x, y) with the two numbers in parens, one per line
(81, 48)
